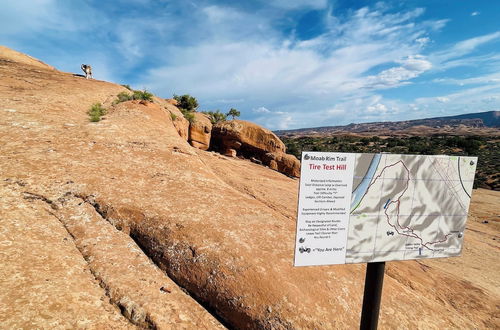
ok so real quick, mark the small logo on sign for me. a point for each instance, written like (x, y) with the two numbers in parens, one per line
(304, 249)
(306, 157)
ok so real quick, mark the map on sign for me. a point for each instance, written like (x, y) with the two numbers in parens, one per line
(380, 207)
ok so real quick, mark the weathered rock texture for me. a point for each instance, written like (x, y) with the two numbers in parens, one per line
(221, 228)
(246, 137)
(180, 123)
(283, 163)
(251, 140)
(200, 131)
(172, 101)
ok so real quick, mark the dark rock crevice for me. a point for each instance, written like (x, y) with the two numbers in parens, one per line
(158, 253)
(194, 274)
(130, 314)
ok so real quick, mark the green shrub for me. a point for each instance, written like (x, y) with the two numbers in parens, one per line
(173, 116)
(189, 115)
(215, 116)
(122, 97)
(96, 112)
(233, 113)
(143, 95)
(136, 95)
(127, 87)
(186, 102)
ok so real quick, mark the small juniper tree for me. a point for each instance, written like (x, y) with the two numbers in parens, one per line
(233, 113)
(215, 116)
(186, 102)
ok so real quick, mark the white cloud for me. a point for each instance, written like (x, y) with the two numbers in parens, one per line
(295, 4)
(474, 99)
(442, 99)
(462, 48)
(261, 110)
(422, 41)
(475, 13)
(294, 76)
(240, 55)
(377, 107)
(493, 78)
(336, 111)
(273, 119)
(48, 16)
(411, 67)
(469, 45)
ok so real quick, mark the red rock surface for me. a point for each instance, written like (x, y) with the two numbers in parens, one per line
(200, 131)
(221, 228)
(253, 141)
(244, 135)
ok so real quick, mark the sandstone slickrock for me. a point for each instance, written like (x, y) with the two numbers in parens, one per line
(221, 228)
(200, 131)
(283, 163)
(180, 123)
(45, 282)
(147, 297)
(246, 137)
(172, 101)
(253, 141)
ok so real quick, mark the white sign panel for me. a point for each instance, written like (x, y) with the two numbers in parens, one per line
(379, 207)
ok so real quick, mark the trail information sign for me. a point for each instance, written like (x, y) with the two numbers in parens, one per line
(381, 207)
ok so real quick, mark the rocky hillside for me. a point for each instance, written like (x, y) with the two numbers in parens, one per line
(480, 123)
(122, 223)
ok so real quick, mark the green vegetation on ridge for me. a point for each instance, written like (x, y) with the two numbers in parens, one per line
(487, 149)
(136, 95)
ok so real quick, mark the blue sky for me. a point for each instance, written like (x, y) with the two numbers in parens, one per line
(282, 63)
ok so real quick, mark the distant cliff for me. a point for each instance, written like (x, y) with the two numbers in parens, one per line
(472, 123)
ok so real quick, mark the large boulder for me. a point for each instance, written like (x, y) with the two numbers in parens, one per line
(200, 130)
(284, 163)
(254, 142)
(247, 138)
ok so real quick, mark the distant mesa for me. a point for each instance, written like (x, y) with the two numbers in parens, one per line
(467, 124)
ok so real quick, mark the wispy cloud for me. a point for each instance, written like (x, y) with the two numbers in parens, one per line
(251, 55)
(289, 74)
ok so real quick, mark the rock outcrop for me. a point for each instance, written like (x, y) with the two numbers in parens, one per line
(180, 123)
(246, 137)
(253, 141)
(103, 223)
(284, 163)
(172, 101)
(200, 131)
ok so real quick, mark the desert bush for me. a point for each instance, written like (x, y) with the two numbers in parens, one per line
(96, 112)
(215, 116)
(186, 102)
(142, 95)
(173, 116)
(233, 113)
(127, 87)
(189, 115)
(122, 97)
(136, 95)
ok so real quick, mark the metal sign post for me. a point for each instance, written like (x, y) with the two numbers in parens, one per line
(372, 296)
